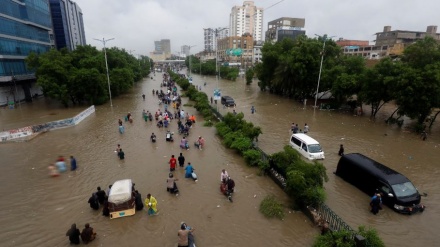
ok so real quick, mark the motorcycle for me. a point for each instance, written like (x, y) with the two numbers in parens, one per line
(169, 136)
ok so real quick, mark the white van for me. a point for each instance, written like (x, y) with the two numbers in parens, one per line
(307, 146)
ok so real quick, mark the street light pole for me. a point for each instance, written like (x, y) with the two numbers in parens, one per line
(106, 68)
(16, 91)
(190, 46)
(320, 66)
(216, 49)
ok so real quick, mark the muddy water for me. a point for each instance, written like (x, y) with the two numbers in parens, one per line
(37, 210)
(395, 147)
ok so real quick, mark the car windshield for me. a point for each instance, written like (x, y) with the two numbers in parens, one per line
(315, 148)
(404, 189)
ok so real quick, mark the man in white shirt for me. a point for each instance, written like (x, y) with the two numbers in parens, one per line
(223, 175)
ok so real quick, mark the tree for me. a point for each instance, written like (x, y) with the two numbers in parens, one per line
(344, 77)
(291, 67)
(418, 88)
(249, 76)
(52, 71)
(266, 69)
(80, 76)
(378, 83)
(417, 91)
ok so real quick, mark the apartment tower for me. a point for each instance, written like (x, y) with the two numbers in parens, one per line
(68, 25)
(211, 35)
(247, 18)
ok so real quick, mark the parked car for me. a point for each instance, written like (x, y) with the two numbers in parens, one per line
(373, 177)
(227, 101)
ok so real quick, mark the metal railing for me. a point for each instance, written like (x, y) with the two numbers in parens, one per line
(335, 222)
(326, 214)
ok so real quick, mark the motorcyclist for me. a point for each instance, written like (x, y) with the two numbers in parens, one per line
(169, 136)
(227, 187)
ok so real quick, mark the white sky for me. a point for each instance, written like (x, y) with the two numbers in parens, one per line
(136, 24)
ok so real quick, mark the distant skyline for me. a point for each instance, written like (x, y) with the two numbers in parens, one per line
(136, 24)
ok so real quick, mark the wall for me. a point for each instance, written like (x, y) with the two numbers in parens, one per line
(7, 92)
(20, 133)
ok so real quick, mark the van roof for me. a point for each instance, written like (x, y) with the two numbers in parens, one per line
(227, 97)
(379, 170)
(306, 138)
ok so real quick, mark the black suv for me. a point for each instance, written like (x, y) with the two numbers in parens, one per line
(228, 101)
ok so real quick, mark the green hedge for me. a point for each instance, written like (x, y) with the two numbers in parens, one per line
(271, 208)
(344, 238)
(200, 98)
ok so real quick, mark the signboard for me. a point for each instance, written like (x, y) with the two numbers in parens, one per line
(217, 94)
(234, 52)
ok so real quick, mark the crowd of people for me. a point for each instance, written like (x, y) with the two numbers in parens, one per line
(55, 169)
(169, 110)
(295, 129)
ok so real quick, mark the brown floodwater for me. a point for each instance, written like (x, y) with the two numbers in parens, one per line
(37, 210)
(396, 147)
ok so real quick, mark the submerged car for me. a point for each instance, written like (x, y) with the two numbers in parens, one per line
(372, 177)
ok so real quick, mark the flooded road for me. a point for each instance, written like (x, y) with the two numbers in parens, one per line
(395, 147)
(37, 210)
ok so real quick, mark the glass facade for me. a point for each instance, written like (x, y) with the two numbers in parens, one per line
(24, 28)
(67, 23)
(60, 27)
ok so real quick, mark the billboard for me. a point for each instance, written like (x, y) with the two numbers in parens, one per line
(234, 52)
(217, 94)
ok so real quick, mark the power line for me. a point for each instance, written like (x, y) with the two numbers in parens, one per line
(273, 5)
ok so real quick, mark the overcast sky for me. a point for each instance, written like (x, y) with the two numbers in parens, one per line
(136, 24)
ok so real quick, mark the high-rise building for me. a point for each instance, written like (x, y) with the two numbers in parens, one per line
(211, 36)
(157, 46)
(247, 18)
(163, 46)
(184, 50)
(25, 27)
(68, 25)
(284, 27)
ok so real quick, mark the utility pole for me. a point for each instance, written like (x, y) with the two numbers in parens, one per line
(190, 46)
(320, 67)
(16, 91)
(106, 67)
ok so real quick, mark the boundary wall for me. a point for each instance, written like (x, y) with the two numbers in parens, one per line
(29, 132)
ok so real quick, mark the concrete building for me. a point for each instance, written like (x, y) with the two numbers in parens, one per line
(285, 27)
(164, 46)
(206, 55)
(388, 43)
(245, 43)
(211, 35)
(246, 19)
(24, 28)
(68, 25)
(257, 55)
(347, 42)
(158, 56)
(184, 50)
(390, 38)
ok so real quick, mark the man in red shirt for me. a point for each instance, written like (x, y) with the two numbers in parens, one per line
(173, 162)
